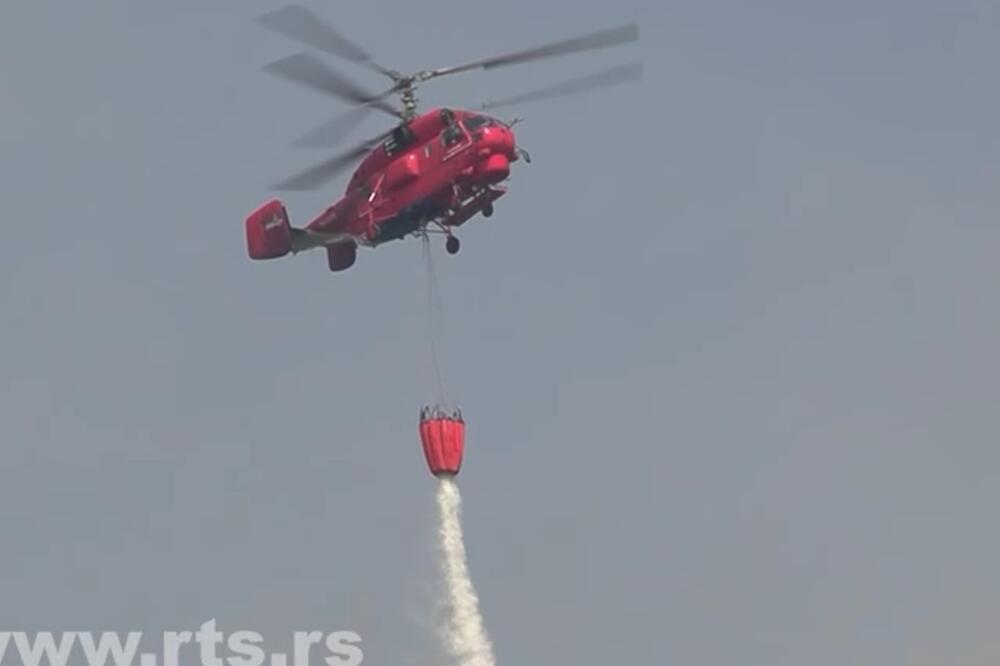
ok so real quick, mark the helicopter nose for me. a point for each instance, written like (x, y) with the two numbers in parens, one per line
(499, 140)
(496, 151)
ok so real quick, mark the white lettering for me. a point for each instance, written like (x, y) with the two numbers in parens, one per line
(110, 642)
(172, 642)
(342, 645)
(243, 643)
(303, 644)
(208, 634)
(45, 644)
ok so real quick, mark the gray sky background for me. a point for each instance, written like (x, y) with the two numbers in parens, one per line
(727, 349)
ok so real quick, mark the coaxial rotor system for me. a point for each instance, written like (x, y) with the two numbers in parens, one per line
(306, 27)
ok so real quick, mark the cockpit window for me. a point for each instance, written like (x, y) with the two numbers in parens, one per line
(451, 135)
(475, 122)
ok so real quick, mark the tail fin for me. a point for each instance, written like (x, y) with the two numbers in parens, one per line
(269, 233)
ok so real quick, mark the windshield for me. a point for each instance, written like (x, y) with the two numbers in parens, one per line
(475, 122)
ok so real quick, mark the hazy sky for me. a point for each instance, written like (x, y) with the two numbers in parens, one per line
(728, 348)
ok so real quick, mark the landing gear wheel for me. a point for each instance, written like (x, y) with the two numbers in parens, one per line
(452, 245)
(488, 210)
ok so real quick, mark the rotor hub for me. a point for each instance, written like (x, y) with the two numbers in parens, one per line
(407, 90)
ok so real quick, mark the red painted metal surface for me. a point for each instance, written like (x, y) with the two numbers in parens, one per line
(493, 169)
(442, 435)
(341, 256)
(269, 234)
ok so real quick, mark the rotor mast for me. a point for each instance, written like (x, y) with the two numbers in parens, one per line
(408, 97)
(406, 88)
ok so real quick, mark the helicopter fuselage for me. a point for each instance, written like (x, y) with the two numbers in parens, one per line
(432, 173)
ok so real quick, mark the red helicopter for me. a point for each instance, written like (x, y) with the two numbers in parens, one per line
(429, 173)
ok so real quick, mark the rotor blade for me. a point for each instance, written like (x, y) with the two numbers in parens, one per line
(596, 40)
(334, 131)
(305, 26)
(306, 70)
(609, 77)
(319, 174)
